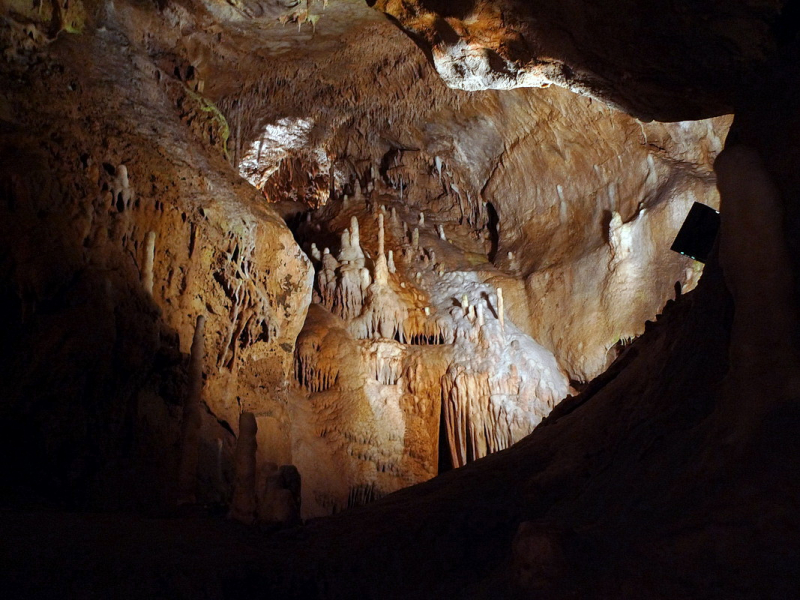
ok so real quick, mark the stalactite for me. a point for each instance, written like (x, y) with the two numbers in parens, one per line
(362, 494)
(313, 374)
(149, 257)
(349, 292)
(192, 418)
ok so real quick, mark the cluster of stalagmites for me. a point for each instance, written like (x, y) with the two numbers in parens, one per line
(269, 496)
(495, 383)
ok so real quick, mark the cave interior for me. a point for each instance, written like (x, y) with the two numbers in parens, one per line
(399, 299)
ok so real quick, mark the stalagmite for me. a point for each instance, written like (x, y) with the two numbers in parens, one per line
(365, 279)
(394, 215)
(122, 190)
(392, 268)
(192, 418)
(480, 315)
(243, 503)
(344, 245)
(358, 195)
(500, 315)
(442, 236)
(381, 235)
(415, 238)
(381, 266)
(350, 251)
(471, 313)
(149, 256)
(315, 253)
(465, 303)
(421, 218)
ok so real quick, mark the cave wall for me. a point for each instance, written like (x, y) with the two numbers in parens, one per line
(312, 119)
(527, 199)
(101, 147)
(673, 475)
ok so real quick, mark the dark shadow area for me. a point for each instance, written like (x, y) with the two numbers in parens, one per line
(493, 226)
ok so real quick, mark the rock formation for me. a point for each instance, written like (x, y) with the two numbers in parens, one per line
(414, 255)
(459, 287)
(191, 420)
(244, 502)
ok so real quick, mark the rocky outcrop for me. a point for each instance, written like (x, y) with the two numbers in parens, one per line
(98, 198)
(469, 250)
(648, 58)
(519, 252)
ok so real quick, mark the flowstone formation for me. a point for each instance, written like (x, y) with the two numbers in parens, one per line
(405, 338)
(445, 327)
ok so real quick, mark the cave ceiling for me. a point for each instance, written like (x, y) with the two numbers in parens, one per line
(656, 59)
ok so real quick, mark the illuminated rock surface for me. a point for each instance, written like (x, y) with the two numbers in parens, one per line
(385, 256)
